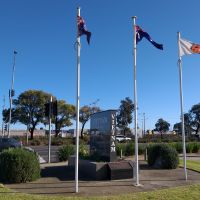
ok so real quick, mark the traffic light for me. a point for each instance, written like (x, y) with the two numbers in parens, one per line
(51, 108)
(5, 127)
(46, 107)
(55, 108)
(12, 93)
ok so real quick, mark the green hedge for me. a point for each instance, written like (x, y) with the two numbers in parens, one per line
(191, 147)
(65, 151)
(128, 149)
(162, 156)
(18, 165)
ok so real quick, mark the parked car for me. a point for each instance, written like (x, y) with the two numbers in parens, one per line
(6, 143)
(122, 138)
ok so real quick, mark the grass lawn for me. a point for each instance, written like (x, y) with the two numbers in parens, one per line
(191, 192)
(191, 164)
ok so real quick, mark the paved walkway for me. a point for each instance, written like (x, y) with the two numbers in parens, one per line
(57, 179)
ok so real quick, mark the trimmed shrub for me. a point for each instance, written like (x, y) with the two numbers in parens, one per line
(141, 148)
(57, 141)
(128, 149)
(120, 147)
(189, 147)
(192, 147)
(196, 147)
(65, 151)
(35, 142)
(18, 166)
(84, 151)
(162, 156)
(178, 146)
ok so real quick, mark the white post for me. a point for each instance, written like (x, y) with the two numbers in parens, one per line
(78, 42)
(144, 122)
(50, 112)
(27, 131)
(135, 110)
(11, 94)
(181, 103)
(3, 132)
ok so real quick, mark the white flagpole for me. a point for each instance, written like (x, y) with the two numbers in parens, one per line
(78, 42)
(135, 110)
(49, 141)
(11, 94)
(181, 101)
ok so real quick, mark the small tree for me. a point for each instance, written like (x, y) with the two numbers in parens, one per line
(84, 115)
(162, 126)
(124, 117)
(187, 123)
(65, 115)
(28, 109)
(195, 118)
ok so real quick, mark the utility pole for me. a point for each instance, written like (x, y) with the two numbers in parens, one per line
(144, 122)
(4, 102)
(11, 93)
(142, 128)
(27, 131)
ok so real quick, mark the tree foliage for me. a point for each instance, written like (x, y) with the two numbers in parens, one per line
(191, 121)
(187, 124)
(66, 113)
(28, 109)
(124, 117)
(195, 118)
(85, 113)
(162, 125)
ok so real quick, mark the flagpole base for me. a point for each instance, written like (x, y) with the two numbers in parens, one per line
(138, 185)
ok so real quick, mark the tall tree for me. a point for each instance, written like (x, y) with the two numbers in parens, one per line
(187, 124)
(84, 115)
(29, 108)
(124, 117)
(195, 118)
(66, 113)
(162, 126)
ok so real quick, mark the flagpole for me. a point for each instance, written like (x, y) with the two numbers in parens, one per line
(181, 102)
(4, 102)
(78, 42)
(49, 139)
(135, 110)
(11, 94)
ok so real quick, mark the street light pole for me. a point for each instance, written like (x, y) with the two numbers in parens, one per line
(11, 93)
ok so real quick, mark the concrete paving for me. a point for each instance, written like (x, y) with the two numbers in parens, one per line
(58, 179)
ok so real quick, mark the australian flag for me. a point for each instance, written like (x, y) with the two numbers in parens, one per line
(140, 34)
(82, 30)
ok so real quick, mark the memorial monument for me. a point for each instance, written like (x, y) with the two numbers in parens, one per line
(103, 163)
(102, 135)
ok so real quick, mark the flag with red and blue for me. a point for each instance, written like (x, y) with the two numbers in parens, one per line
(82, 30)
(141, 33)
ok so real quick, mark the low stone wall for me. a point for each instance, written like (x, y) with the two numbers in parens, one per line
(103, 170)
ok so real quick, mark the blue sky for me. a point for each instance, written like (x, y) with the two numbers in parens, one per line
(44, 33)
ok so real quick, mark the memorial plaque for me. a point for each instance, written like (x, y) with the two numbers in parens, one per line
(102, 135)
